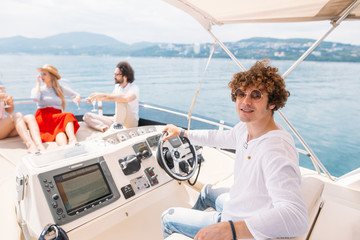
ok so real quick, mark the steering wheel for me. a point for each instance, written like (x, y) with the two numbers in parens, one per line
(177, 156)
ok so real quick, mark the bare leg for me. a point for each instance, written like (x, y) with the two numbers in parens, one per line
(70, 132)
(7, 128)
(23, 132)
(61, 139)
(34, 131)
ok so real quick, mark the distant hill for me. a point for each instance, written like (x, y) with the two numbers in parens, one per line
(81, 40)
(74, 43)
(290, 49)
(83, 43)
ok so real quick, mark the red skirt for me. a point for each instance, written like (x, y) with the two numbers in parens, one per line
(52, 121)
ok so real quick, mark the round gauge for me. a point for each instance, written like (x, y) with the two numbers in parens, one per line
(151, 129)
(133, 134)
(141, 131)
(111, 140)
(122, 137)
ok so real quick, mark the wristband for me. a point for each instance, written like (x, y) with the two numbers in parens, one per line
(182, 133)
(232, 229)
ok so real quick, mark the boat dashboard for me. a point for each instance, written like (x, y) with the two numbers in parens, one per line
(73, 185)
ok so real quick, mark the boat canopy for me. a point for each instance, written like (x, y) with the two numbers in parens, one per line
(214, 12)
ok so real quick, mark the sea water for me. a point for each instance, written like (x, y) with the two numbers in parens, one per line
(323, 106)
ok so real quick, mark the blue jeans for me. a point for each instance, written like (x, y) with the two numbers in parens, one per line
(190, 221)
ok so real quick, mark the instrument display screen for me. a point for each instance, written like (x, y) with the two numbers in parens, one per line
(81, 187)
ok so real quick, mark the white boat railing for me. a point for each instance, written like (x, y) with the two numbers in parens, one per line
(220, 125)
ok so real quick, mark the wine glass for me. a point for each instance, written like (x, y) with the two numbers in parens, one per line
(77, 106)
(6, 105)
(4, 95)
(94, 109)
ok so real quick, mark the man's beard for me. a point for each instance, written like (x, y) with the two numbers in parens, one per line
(119, 81)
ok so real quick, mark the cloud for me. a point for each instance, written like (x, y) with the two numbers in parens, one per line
(140, 20)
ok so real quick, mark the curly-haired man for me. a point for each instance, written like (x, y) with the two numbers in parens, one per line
(265, 200)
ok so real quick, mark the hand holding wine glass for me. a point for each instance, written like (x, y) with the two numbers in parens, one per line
(8, 102)
(4, 97)
(94, 109)
(92, 99)
(77, 101)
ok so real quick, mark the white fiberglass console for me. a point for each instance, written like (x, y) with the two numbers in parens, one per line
(73, 185)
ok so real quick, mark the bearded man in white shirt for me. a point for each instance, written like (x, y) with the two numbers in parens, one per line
(265, 200)
(126, 98)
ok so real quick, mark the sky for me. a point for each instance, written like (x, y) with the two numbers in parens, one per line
(131, 21)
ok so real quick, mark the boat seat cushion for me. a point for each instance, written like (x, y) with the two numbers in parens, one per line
(312, 189)
(217, 167)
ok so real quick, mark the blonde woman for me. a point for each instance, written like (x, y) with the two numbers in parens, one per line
(14, 124)
(54, 123)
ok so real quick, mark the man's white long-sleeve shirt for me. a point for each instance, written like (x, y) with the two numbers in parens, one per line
(266, 193)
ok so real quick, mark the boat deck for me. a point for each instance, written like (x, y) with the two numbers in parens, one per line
(333, 207)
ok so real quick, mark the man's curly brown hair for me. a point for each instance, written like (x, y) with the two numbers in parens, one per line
(265, 78)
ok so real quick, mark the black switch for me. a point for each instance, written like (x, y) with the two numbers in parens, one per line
(128, 191)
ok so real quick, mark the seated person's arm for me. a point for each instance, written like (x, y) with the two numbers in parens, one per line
(113, 97)
(68, 92)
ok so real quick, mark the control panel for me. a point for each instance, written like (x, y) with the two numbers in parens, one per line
(74, 191)
(132, 165)
(73, 185)
(116, 137)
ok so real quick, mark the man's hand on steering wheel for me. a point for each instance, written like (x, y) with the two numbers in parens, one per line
(175, 154)
(172, 131)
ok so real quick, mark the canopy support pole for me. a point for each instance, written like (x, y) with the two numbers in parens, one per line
(198, 90)
(227, 51)
(313, 157)
(316, 162)
(335, 24)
